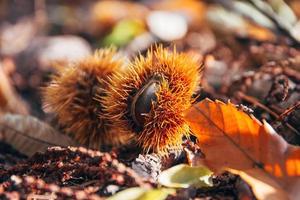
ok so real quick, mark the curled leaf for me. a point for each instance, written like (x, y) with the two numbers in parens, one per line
(246, 9)
(226, 21)
(283, 11)
(137, 193)
(184, 176)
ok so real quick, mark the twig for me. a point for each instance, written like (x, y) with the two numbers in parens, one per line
(288, 111)
(84, 185)
(256, 102)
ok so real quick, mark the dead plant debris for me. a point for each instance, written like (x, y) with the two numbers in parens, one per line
(204, 101)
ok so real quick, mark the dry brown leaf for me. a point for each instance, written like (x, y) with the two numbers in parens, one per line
(230, 138)
(30, 135)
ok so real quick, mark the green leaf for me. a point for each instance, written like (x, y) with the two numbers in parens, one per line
(123, 32)
(184, 176)
(137, 193)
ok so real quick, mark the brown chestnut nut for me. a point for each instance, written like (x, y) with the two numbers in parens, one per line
(144, 99)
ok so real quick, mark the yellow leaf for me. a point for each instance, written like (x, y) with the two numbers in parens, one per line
(137, 193)
(184, 176)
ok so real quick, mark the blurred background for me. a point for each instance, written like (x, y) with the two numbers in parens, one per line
(249, 48)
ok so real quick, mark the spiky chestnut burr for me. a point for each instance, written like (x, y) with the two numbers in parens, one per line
(149, 98)
(74, 96)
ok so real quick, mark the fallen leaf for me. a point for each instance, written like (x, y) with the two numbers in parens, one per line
(194, 11)
(9, 100)
(247, 10)
(105, 14)
(12, 42)
(230, 138)
(280, 13)
(184, 176)
(124, 31)
(263, 186)
(284, 11)
(231, 22)
(137, 193)
(29, 135)
(167, 26)
(43, 52)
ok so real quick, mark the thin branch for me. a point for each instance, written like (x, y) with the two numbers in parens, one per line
(256, 102)
(288, 111)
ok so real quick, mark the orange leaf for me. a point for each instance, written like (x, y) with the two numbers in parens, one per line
(230, 138)
(263, 186)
